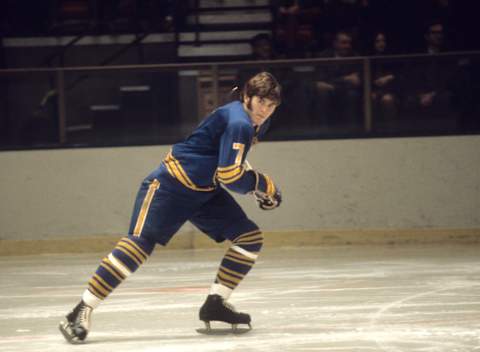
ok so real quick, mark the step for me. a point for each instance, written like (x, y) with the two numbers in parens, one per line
(209, 33)
(232, 3)
(105, 107)
(134, 89)
(221, 27)
(209, 59)
(78, 128)
(221, 49)
(234, 17)
(229, 9)
(221, 36)
(87, 40)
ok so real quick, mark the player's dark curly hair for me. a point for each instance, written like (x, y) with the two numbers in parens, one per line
(263, 85)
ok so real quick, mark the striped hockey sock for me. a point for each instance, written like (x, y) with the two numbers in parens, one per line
(125, 259)
(237, 262)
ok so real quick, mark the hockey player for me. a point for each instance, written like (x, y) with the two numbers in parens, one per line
(190, 185)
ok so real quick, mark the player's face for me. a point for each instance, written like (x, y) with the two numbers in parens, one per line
(259, 109)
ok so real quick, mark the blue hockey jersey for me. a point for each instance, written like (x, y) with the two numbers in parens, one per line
(215, 153)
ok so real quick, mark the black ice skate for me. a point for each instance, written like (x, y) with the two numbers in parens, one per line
(216, 309)
(75, 328)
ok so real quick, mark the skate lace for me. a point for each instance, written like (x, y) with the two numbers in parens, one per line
(84, 316)
(229, 306)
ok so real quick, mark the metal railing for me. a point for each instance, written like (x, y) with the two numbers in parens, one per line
(214, 71)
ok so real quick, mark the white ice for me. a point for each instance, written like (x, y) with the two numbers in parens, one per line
(346, 299)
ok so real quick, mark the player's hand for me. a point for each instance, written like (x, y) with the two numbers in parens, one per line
(266, 193)
(266, 202)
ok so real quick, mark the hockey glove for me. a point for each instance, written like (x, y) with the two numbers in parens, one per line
(268, 195)
(268, 202)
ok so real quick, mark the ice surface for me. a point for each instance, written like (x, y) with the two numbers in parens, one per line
(348, 299)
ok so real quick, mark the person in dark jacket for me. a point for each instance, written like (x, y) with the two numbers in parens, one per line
(339, 83)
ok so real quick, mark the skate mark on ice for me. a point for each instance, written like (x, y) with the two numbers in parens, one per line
(399, 303)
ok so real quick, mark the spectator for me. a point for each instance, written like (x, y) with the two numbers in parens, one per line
(431, 78)
(263, 50)
(384, 81)
(434, 38)
(262, 47)
(347, 14)
(338, 85)
(295, 21)
(446, 12)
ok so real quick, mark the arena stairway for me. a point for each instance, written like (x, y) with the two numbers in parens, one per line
(217, 30)
(214, 30)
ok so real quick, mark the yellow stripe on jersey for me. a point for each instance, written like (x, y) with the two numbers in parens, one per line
(227, 168)
(180, 173)
(169, 169)
(270, 186)
(145, 207)
(176, 170)
(230, 173)
(231, 176)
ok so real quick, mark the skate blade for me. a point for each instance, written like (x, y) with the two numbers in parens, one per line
(63, 327)
(234, 330)
(223, 332)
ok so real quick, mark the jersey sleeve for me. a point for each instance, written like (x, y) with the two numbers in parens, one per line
(234, 146)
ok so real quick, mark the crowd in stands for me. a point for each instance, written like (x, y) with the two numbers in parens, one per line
(304, 28)
(301, 28)
(317, 29)
(429, 85)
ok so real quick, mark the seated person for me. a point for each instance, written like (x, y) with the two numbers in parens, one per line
(430, 78)
(339, 84)
(295, 25)
(262, 47)
(263, 50)
(384, 81)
